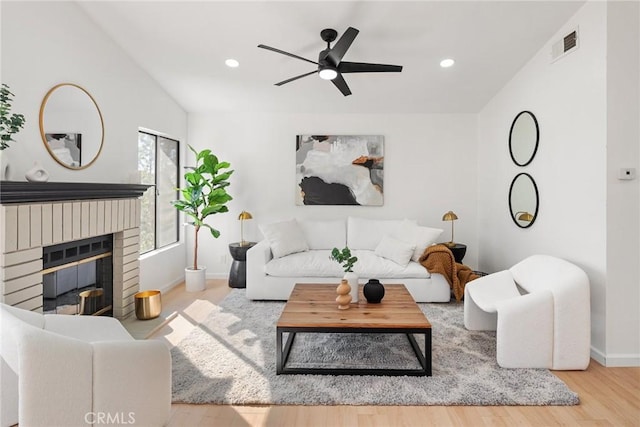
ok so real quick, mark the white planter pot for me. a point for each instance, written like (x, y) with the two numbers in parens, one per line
(195, 280)
(352, 278)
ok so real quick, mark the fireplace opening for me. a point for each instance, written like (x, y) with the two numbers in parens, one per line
(78, 277)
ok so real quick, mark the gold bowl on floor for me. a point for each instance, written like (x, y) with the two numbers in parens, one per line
(148, 304)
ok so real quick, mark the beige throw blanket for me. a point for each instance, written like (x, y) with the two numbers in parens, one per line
(439, 259)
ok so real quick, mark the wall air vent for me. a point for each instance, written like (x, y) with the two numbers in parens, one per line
(567, 44)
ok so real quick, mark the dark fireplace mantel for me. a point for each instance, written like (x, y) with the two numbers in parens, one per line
(26, 192)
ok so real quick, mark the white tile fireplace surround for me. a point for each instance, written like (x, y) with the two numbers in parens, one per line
(35, 215)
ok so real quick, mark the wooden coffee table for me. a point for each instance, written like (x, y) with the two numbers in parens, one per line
(312, 309)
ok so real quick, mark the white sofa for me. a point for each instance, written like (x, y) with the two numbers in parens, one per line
(540, 310)
(297, 251)
(80, 370)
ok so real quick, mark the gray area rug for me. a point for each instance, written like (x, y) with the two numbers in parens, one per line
(230, 359)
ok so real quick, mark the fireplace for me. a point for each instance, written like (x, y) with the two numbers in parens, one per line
(77, 277)
(37, 216)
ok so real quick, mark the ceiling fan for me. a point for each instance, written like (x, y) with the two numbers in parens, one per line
(330, 63)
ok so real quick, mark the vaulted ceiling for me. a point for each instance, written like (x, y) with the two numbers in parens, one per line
(183, 46)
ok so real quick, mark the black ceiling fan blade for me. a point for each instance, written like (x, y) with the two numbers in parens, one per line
(285, 53)
(342, 45)
(296, 78)
(363, 67)
(341, 85)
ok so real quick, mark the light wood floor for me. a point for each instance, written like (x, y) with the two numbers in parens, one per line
(608, 396)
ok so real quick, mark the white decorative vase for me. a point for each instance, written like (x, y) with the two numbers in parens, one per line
(352, 278)
(4, 166)
(195, 280)
(37, 173)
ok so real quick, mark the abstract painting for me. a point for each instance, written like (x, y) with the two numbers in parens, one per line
(340, 170)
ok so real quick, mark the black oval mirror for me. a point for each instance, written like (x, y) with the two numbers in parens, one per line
(523, 138)
(523, 200)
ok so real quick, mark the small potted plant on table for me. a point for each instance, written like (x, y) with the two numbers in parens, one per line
(347, 261)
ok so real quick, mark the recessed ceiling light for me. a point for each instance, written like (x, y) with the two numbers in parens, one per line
(232, 63)
(446, 63)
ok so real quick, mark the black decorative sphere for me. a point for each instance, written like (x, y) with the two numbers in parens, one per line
(373, 291)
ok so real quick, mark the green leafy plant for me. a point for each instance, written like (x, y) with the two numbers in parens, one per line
(10, 124)
(344, 258)
(205, 193)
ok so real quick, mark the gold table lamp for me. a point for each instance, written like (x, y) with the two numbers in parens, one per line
(450, 216)
(242, 217)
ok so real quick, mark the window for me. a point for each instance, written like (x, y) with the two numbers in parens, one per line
(158, 166)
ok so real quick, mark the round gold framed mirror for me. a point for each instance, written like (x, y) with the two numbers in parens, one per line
(71, 126)
(523, 200)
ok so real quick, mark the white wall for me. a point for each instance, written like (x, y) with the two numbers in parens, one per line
(430, 168)
(46, 43)
(570, 99)
(623, 203)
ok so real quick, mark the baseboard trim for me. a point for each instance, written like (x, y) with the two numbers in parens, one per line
(615, 360)
(180, 280)
(598, 356)
(171, 285)
(623, 360)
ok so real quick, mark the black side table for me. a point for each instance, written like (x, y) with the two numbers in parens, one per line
(238, 273)
(458, 251)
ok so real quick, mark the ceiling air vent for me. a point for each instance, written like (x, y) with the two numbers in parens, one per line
(569, 43)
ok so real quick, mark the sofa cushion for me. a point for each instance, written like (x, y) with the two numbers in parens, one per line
(305, 264)
(318, 264)
(370, 266)
(327, 234)
(284, 238)
(87, 328)
(395, 250)
(363, 233)
(13, 321)
(420, 237)
(31, 317)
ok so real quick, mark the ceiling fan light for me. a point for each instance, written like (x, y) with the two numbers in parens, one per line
(328, 74)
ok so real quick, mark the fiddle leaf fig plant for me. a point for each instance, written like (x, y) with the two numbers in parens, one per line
(204, 193)
(344, 258)
(10, 124)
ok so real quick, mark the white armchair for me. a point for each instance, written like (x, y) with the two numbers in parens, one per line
(80, 370)
(540, 310)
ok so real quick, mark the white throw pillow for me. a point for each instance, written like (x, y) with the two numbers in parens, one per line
(396, 250)
(421, 237)
(284, 237)
(364, 233)
(324, 234)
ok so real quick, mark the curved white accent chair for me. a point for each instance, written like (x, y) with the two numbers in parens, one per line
(540, 310)
(64, 370)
